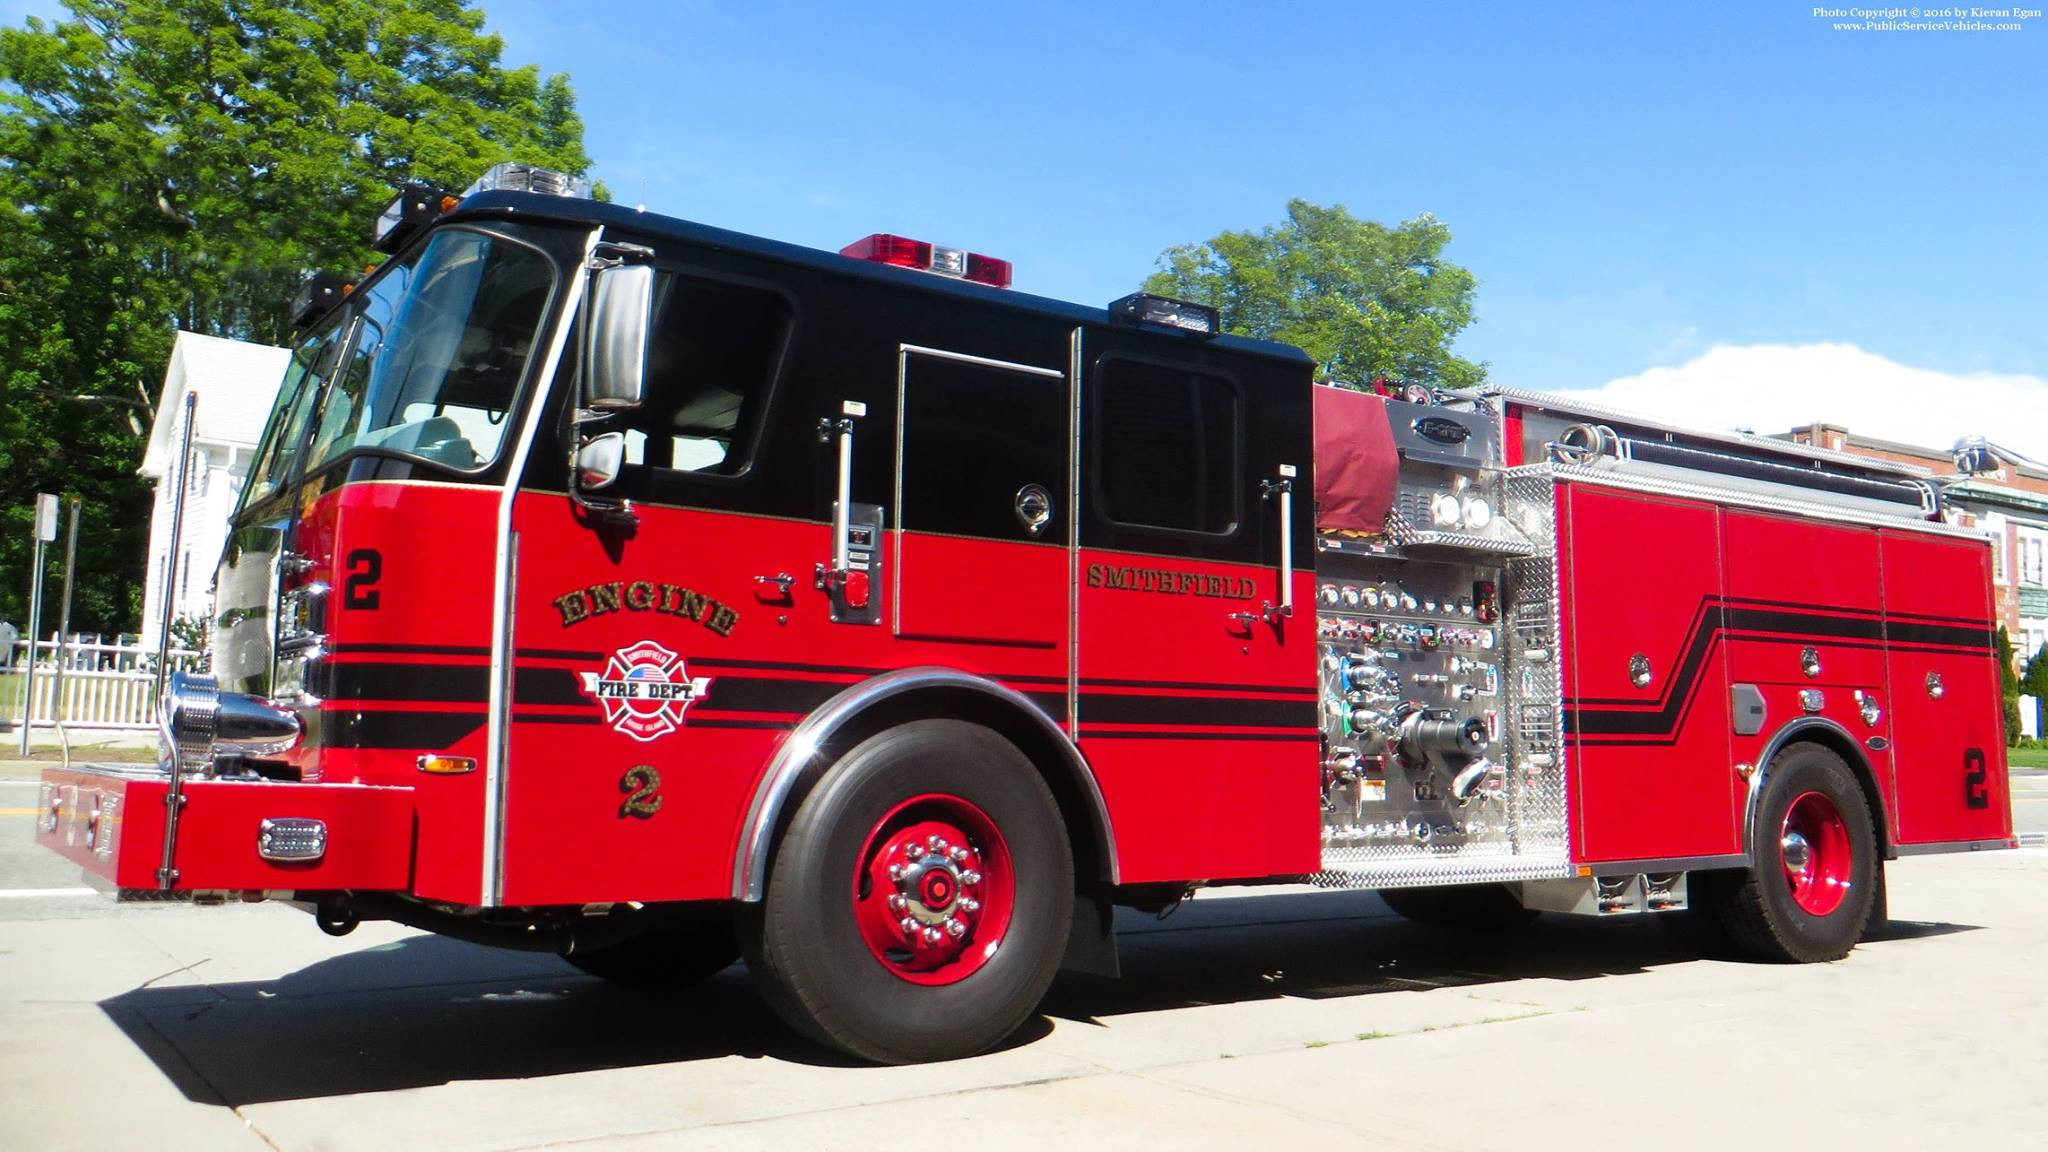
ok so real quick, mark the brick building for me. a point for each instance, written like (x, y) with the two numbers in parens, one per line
(2009, 505)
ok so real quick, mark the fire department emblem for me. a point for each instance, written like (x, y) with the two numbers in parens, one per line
(644, 690)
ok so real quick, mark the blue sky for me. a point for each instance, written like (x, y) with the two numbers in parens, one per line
(1634, 185)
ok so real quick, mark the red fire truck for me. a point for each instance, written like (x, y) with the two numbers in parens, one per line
(657, 595)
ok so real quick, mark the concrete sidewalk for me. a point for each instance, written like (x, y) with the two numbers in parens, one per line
(1246, 1020)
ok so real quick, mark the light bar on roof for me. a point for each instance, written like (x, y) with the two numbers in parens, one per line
(512, 176)
(903, 252)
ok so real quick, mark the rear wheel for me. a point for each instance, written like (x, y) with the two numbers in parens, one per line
(682, 950)
(1813, 880)
(917, 905)
(1492, 906)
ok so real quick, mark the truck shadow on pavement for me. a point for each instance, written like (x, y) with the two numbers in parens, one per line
(426, 1010)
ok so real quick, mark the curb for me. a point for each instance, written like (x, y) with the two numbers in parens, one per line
(2033, 839)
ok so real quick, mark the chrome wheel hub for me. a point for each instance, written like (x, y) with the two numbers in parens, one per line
(1798, 854)
(933, 896)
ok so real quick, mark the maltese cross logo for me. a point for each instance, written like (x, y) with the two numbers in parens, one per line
(644, 690)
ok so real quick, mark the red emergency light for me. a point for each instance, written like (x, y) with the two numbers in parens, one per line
(903, 252)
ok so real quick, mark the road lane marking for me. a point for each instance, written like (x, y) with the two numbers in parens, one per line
(38, 893)
(19, 811)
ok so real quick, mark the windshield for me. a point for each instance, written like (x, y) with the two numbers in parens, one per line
(434, 368)
(311, 363)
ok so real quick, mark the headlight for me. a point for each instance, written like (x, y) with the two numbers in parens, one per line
(297, 673)
(301, 615)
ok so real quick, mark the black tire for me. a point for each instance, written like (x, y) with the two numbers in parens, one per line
(1491, 907)
(1759, 908)
(805, 942)
(676, 952)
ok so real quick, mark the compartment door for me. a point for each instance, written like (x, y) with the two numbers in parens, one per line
(983, 501)
(1949, 761)
(1646, 695)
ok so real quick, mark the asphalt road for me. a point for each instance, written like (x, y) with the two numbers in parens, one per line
(1244, 1020)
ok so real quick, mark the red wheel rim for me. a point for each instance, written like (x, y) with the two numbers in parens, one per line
(1813, 850)
(934, 890)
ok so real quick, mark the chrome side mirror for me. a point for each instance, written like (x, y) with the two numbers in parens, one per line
(599, 461)
(615, 346)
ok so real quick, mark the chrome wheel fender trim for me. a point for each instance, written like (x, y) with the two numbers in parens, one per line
(801, 749)
(1760, 779)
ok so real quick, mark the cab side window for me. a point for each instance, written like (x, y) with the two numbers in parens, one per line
(1166, 447)
(714, 352)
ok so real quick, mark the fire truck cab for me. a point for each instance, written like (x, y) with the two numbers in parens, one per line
(653, 594)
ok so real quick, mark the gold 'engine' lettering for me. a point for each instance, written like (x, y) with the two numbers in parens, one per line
(640, 596)
(574, 607)
(646, 596)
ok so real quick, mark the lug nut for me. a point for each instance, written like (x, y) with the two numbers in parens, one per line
(897, 903)
(932, 842)
(959, 855)
(955, 929)
(909, 927)
(895, 871)
(933, 936)
(970, 904)
(970, 877)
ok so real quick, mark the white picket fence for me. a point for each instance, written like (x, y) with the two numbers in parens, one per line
(104, 686)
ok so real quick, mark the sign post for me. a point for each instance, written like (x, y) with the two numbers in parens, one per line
(64, 629)
(46, 531)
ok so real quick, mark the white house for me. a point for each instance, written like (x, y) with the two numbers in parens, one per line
(235, 383)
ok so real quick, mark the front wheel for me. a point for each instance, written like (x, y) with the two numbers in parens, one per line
(917, 905)
(1813, 878)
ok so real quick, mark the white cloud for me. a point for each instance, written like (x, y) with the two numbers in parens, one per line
(1771, 388)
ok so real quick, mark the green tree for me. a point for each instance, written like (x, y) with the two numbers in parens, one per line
(2034, 682)
(171, 164)
(1361, 298)
(2009, 687)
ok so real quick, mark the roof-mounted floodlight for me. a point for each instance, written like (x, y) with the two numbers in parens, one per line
(321, 291)
(1975, 456)
(412, 209)
(1142, 310)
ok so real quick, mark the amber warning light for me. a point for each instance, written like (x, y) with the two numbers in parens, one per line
(882, 248)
